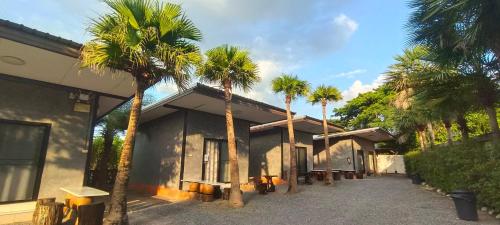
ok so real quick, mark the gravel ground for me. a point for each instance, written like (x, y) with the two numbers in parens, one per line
(380, 200)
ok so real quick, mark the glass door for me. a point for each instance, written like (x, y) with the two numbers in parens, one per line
(22, 153)
(361, 161)
(301, 160)
(215, 161)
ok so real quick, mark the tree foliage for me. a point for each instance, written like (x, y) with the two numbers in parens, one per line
(371, 109)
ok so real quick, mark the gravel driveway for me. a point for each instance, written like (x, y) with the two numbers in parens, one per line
(380, 200)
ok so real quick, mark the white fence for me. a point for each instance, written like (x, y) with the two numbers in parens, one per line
(390, 164)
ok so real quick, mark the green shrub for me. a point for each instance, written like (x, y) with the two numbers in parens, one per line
(471, 166)
(410, 159)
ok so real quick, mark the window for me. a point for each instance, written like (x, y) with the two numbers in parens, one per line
(22, 153)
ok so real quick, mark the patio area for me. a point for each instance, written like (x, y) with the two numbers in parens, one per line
(381, 200)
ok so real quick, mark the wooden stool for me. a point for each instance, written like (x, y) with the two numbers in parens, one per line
(48, 212)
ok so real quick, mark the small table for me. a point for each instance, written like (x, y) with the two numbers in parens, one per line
(80, 195)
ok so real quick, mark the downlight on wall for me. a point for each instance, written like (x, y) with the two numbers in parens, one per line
(12, 60)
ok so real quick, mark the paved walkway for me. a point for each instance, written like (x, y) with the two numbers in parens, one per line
(381, 200)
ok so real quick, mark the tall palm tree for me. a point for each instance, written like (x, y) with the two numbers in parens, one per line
(463, 25)
(461, 30)
(152, 41)
(324, 94)
(403, 77)
(292, 87)
(111, 125)
(230, 67)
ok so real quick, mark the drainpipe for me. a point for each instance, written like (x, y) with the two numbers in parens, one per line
(183, 151)
(353, 159)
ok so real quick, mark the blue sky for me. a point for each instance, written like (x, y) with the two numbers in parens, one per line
(344, 43)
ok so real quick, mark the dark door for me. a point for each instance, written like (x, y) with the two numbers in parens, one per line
(301, 160)
(22, 154)
(361, 161)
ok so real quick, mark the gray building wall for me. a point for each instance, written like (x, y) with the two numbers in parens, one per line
(66, 151)
(158, 147)
(204, 125)
(302, 139)
(340, 150)
(267, 154)
(158, 150)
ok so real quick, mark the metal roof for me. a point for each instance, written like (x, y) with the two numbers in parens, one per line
(373, 134)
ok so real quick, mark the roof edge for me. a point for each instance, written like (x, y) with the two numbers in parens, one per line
(33, 37)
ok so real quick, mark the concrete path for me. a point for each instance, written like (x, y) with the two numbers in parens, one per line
(381, 200)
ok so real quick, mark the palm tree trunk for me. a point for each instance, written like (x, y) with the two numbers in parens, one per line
(492, 117)
(102, 168)
(292, 181)
(431, 133)
(329, 177)
(464, 129)
(421, 136)
(235, 198)
(118, 207)
(449, 135)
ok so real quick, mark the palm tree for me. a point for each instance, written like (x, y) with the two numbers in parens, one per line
(462, 31)
(153, 42)
(111, 125)
(292, 87)
(403, 77)
(324, 94)
(230, 67)
(463, 25)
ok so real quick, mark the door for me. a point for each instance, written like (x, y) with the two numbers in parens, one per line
(361, 161)
(371, 162)
(215, 161)
(301, 160)
(22, 153)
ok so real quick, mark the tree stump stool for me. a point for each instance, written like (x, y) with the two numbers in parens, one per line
(48, 212)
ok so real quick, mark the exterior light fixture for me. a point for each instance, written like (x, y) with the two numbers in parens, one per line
(349, 160)
(12, 60)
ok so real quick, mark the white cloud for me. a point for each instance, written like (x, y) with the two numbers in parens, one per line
(350, 74)
(262, 91)
(358, 88)
(281, 35)
(166, 88)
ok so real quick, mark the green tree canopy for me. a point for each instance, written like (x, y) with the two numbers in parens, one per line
(371, 109)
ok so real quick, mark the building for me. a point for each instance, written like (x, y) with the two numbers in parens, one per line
(352, 150)
(270, 148)
(183, 138)
(48, 109)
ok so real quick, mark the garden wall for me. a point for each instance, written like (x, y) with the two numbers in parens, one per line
(390, 164)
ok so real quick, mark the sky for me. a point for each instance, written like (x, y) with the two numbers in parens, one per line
(344, 43)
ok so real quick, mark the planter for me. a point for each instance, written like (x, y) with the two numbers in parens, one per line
(360, 176)
(416, 179)
(207, 189)
(194, 187)
(465, 204)
(207, 198)
(337, 176)
(349, 175)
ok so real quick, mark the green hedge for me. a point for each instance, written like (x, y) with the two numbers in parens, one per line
(471, 166)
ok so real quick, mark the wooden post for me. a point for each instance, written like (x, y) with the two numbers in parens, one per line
(48, 213)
